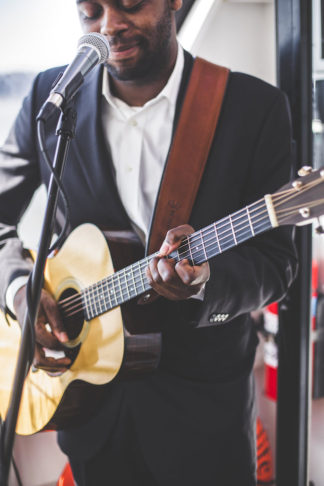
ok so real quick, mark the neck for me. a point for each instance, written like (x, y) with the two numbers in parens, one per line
(140, 91)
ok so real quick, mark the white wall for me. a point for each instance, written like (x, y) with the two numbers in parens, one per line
(240, 35)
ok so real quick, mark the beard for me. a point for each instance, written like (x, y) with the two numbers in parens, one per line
(155, 49)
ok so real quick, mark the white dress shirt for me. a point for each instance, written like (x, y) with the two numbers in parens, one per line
(139, 139)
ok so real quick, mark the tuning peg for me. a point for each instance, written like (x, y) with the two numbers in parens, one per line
(297, 185)
(319, 229)
(305, 170)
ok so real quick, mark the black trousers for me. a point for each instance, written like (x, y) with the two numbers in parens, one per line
(162, 430)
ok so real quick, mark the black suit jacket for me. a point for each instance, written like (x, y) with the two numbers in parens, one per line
(250, 156)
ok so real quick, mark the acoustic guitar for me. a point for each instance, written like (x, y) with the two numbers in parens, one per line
(96, 299)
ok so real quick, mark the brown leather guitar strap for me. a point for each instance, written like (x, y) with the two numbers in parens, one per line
(190, 148)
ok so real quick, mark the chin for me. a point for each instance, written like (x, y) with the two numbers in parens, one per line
(129, 73)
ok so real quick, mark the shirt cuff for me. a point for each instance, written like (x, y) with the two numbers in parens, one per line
(200, 295)
(13, 288)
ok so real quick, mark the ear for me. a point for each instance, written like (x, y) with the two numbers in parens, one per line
(175, 4)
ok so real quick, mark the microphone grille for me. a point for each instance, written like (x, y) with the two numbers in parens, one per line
(99, 42)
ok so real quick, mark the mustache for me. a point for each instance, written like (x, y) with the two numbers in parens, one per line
(120, 42)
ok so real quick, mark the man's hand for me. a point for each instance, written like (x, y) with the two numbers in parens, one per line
(176, 281)
(49, 331)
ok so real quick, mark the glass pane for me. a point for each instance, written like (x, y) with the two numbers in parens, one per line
(32, 42)
(35, 35)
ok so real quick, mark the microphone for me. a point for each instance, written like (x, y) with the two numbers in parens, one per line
(93, 49)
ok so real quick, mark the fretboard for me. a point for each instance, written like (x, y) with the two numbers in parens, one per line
(199, 247)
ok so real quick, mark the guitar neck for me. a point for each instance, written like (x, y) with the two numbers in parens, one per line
(199, 247)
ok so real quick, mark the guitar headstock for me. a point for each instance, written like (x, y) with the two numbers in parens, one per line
(301, 201)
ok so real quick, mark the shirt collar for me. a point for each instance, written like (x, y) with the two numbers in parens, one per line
(170, 90)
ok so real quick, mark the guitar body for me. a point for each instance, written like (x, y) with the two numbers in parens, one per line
(100, 348)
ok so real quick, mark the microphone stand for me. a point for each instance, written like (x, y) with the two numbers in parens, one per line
(65, 132)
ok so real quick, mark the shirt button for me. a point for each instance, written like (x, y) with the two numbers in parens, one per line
(129, 168)
(133, 123)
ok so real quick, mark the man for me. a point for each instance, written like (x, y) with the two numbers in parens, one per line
(192, 421)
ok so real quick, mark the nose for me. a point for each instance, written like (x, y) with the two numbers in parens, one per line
(113, 22)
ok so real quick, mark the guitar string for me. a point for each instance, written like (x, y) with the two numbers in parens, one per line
(196, 235)
(115, 295)
(93, 293)
(114, 298)
(144, 262)
(183, 244)
(133, 268)
(124, 273)
(211, 226)
(292, 210)
(297, 192)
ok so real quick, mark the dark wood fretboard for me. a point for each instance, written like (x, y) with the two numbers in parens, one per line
(199, 247)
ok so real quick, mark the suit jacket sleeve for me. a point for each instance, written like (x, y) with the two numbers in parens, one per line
(259, 272)
(19, 177)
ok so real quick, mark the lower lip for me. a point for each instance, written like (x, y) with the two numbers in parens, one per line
(119, 55)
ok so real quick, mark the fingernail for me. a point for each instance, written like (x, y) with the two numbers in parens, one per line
(63, 337)
(165, 248)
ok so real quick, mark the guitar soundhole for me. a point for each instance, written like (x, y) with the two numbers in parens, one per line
(72, 313)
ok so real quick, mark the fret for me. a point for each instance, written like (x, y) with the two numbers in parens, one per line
(127, 281)
(107, 294)
(184, 251)
(210, 243)
(242, 226)
(249, 219)
(233, 232)
(133, 280)
(123, 274)
(99, 297)
(122, 299)
(197, 246)
(92, 309)
(226, 235)
(146, 262)
(189, 247)
(85, 303)
(90, 296)
(141, 277)
(112, 292)
(144, 282)
(96, 299)
(203, 245)
(93, 301)
(102, 296)
(217, 239)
